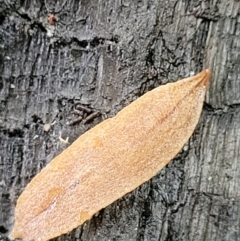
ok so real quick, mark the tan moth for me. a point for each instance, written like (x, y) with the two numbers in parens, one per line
(110, 160)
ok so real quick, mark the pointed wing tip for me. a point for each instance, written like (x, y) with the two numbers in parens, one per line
(206, 74)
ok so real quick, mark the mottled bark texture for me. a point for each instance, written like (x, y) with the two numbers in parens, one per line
(103, 55)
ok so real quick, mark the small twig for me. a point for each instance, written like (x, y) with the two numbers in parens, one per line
(90, 117)
(86, 109)
(73, 122)
(77, 112)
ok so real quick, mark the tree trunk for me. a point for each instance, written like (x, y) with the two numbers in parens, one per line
(103, 55)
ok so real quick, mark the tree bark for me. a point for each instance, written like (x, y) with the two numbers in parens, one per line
(103, 55)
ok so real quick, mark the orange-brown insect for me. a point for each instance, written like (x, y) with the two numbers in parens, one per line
(110, 160)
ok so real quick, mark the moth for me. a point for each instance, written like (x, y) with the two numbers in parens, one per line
(110, 160)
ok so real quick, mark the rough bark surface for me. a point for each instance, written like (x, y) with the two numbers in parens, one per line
(104, 54)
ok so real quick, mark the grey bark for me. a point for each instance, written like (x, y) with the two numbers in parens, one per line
(105, 54)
